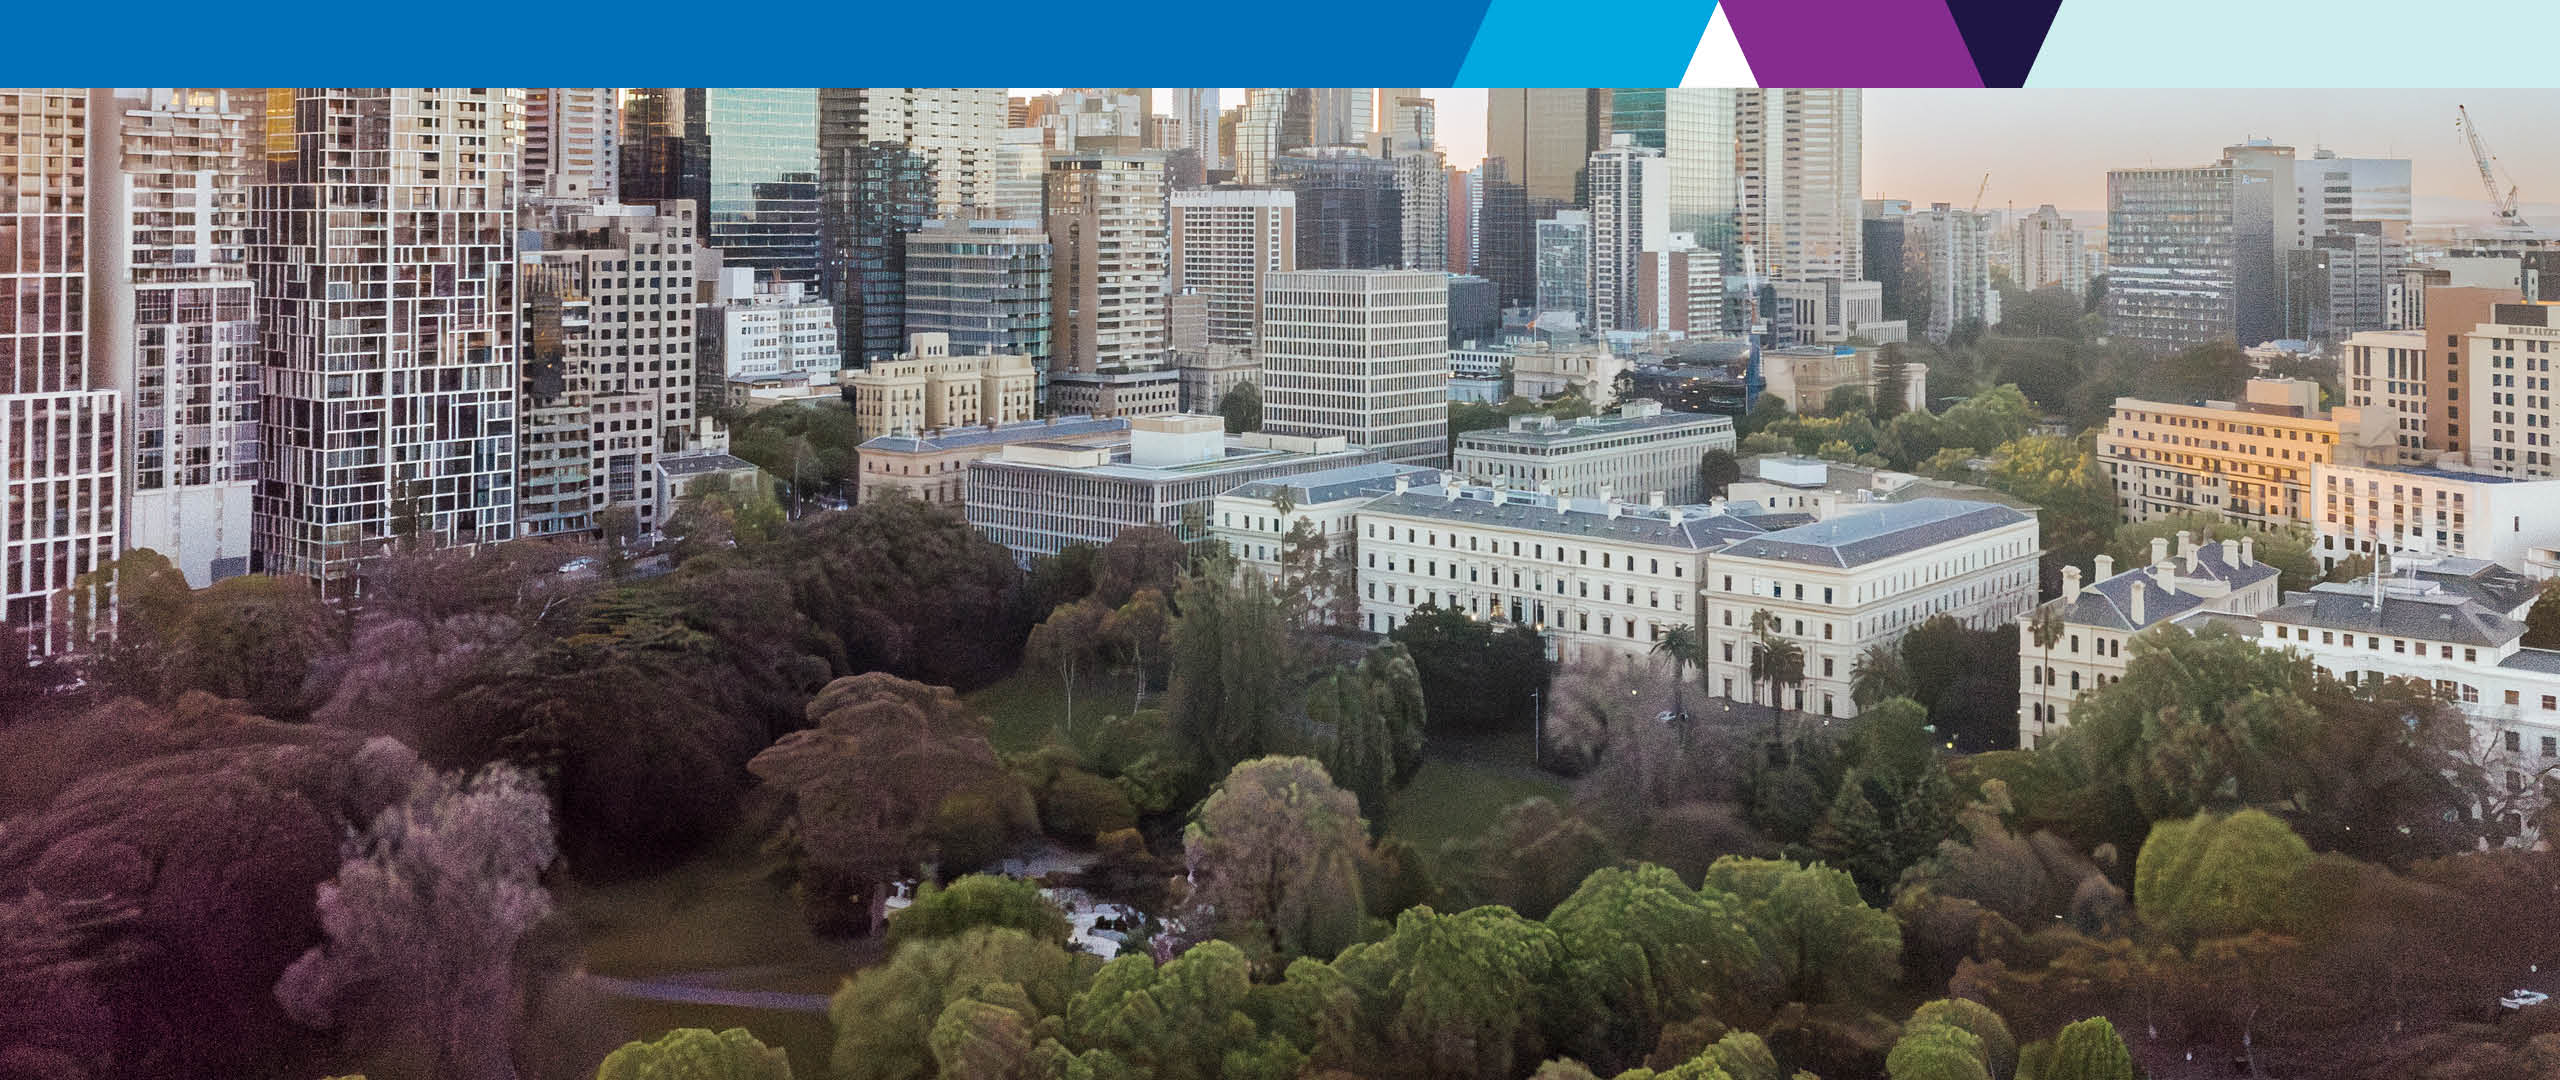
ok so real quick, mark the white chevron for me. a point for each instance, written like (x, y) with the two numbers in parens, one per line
(1719, 60)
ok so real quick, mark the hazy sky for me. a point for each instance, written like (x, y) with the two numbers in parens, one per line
(2056, 146)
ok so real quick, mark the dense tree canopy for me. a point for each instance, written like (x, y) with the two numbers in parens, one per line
(1274, 857)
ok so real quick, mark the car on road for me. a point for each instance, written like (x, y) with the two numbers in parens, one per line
(2522, 999)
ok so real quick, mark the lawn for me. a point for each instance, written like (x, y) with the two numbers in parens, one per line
(719, 921)
(1463, 785)
(1028, 706)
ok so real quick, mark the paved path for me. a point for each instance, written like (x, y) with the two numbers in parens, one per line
(669, 990)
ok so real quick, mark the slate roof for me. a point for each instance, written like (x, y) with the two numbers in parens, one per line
(700, 464)
(2211, 562)
(981, 435)
(1886, 530)
(1340, 482)
(2541, 661)
(2440, 617)
(1693, 527)
(2109, 604)
(2495, 587)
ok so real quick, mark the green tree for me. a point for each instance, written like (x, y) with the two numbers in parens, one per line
(1642, 949)
(2087, 1050)
(1828, 944)
(1275, 855)
(2212, 876)
(1767, 412)
(1999, 1047)
(1139, 636)
(2288, 551)
(811, 448)
(1680, 643)
(697, 1054)
(976, 901)
(1242, 408)
(1936, 1052)
(2049, 312)
(2542, 620)
(1529, 859)
(1718, 470)
(2061, 476)
(1878, 674)
(1475, 678)
(878, 785)
(1068, 642)
(1455, 995)
(1181, 1020)
(1235, 669)
(887, 1016)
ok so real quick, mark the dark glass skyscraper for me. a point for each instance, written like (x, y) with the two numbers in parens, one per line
(751, 163)
(875, 194)
(1350, 215)
(652, 144)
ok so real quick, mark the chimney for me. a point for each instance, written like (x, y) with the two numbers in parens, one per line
(2105, 567)
(1497, 495)
(2230, 552)
(2187, 548)
(1546, 487)
(2248, 551)
(1605, 493)
(1449, 489)
(1656, 499)
(2165, 575)
(1614, 506)
(2136, 613)
(2071, 581)
(1403, 481)
(2159, 550)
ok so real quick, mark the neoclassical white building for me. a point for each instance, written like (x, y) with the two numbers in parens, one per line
(2093, 623)
(1863, 576)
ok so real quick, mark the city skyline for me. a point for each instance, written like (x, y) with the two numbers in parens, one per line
(1935, 145)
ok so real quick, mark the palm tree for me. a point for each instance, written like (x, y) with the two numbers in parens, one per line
(2047, 629)
(1777, 662)
(1878, 674)
(1680, 643)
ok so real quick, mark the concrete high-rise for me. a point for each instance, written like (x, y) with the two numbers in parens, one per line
(1630, 211)
(1947, 252)
(2046, 250)
(1461, 235)
(984, 283)
(61, 418)
(1196, 111)
(572, 145)
(1342, 116)
(1226, 242)
(1349, 212)
(1110, 251)
(1021, 182)
(751, 164)
(1362, 354)
(1564, 265)
(609, 358)
(2193, 253)
(1422, 181)
(387, 323)
(172, 317)
(1797, 174)
(955, 130)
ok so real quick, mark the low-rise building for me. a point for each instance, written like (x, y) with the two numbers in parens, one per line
(927, 387)
(765, 338)
(1037, 497)
(674, 476)
(934, 465)
(1600, 579)
(1153, 392)
(1253, 521)
(1205, 376)
(1565, 364)
(1786, 483)
(1805, 375)
(2508, 520)
(1862, 577)
(2249, 461)
(1638, 450)
(2085, 630)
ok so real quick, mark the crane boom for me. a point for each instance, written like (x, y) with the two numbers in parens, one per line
(1977, 193)
(2503, 201)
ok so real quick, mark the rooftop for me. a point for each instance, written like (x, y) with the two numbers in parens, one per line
(702, 464)
(1865, 536)
(1056, 427)
(1531, 431)
(2437, 616)
(1238, 455)
(1691, 527)
(1339, 482)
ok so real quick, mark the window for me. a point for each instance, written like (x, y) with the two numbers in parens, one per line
(2515, 742)
(2514, 697)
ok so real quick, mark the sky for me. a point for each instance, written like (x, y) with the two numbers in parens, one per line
(2055, 146)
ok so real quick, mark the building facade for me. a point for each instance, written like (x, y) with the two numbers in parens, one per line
(2373, 509)
(1949, 252)
(1254, 521)
(751, 163)
(928, 388)
(871, 195)
(61, 417)
(1349, 212)
(933, 466)
(955, 131)
(386, 309)
(1109, 253)
(2248, 461)
(572, 144)
(2046, 251)
(1564, 265)
(2091, 624)
(169, 284)
(1226, 241)
(2192, 252)
(1361, 354)
(1636, 452)
(1798, 172)
(984, 283)
(1037, 498)
(768, 337)
(1630, 215)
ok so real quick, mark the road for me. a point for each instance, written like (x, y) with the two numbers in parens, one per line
(671, 990)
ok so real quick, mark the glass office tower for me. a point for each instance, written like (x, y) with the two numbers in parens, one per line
(1693, 127)
(751, 164)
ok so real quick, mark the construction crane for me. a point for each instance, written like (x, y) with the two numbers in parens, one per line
(1977, 193)
(2505, 202)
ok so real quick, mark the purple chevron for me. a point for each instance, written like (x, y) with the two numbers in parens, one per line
(1851, 43)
